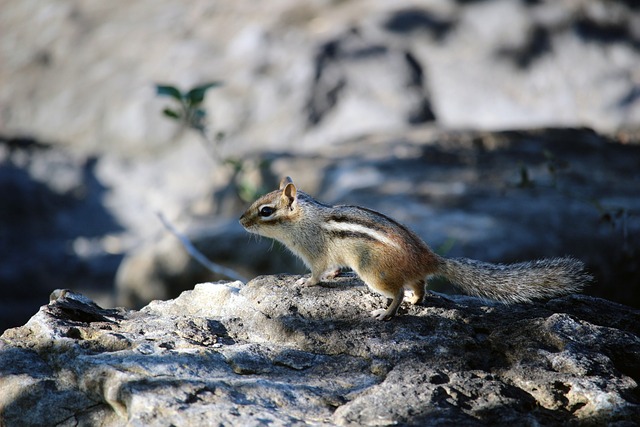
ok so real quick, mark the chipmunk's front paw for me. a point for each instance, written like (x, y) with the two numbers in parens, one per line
(381, 314)
(307, 281)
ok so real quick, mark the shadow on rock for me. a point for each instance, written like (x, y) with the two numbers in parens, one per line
(53, 219)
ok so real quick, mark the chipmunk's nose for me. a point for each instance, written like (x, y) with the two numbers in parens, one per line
(243, 220)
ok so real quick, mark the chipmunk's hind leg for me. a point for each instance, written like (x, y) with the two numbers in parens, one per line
(332, 273)
(418, 287)
(391, 310)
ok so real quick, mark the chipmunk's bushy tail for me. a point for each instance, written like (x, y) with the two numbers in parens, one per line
(516, 283)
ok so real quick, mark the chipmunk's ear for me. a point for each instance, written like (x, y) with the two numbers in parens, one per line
(289, 194)
(286, 180)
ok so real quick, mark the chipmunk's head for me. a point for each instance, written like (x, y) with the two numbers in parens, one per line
(267, 215)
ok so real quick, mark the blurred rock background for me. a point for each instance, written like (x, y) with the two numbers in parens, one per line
(499, 130)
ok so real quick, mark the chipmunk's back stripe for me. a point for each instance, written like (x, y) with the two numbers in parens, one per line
(354, 230)
(359, 221)
(352, 235)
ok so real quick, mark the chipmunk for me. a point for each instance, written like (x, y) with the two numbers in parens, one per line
(390, 258)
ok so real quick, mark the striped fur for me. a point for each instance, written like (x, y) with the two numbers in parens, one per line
(389, 257)
(344, 229)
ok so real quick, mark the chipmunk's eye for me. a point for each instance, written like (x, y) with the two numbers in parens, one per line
(266, 211)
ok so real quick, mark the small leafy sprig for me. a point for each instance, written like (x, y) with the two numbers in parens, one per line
(190, 112)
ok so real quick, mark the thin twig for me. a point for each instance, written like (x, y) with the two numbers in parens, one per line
(197, 255)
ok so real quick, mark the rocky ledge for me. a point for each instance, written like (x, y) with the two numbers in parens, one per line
(274, 353)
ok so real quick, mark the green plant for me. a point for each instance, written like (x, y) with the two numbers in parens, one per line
(525, 177)
(554, 166)
(245, 188)
(189, 112)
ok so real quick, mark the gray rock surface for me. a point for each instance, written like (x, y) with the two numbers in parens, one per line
(271, 352)
(315, 72)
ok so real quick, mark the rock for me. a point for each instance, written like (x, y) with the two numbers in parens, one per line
(274, 352)
(489, 65)
(55, 228)
(305, 83)
(343, 104)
